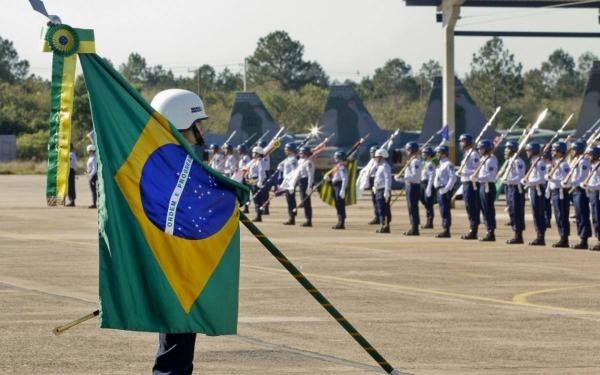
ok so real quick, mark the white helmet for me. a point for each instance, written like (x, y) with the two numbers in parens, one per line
(258, 150)
(91, 148)
(180, 107)
(382, 153)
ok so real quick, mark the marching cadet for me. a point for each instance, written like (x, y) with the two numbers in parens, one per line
(306, 177)
(593, 188)
(443, 181)
(92, 172)
(217, 160)
(487, 187)
(244, 160)
(370, 169)
(286, 167)
(470, 191)
(515, 197)
(537, 186)
(548, 207)
(340, 183)
(427, 189)
(579, 196)
(412, 180)
(382, 187)
(559, 195)
(230, 165)
(256, 178)
(266, 160)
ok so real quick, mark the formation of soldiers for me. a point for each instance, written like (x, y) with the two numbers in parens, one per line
(558, 175)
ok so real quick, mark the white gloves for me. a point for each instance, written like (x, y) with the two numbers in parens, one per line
(442, 191)
(386, 195)
(343, 194)
(308, 190)
(428, 192)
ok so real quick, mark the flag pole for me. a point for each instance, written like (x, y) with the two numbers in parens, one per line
(316, 294)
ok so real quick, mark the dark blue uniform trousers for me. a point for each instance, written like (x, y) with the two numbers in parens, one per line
(384, 212)
(175, 354)
(444, 202)
(582, 213)
(413, 192)
(373, 196)
(471, 198)
(516, 207)
(594, 197)
(561, 211)
(538, 208)
(259, 196)
(547, 207)
(340, 204)
(291, 202)
(303, 183)
(428, 202)
(486, 200)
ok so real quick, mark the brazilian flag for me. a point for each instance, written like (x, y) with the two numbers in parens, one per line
(327, 194)
(168, 224)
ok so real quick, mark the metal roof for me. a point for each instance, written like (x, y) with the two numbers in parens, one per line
(511, 3)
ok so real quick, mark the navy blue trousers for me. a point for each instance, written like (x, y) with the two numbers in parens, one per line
(486, 201)
(538, 208)
(594, 197)
(373, 198)
(340, 204)
(516, 207)
(428, 202)
(413, 192)
(561, 211)
(582, 213)
(175, 354)
(71, 187)
(472, 205)
(259, 196)
(445, 213)
(384, 212)
(291, 202)
(303, 183)
(547, 207)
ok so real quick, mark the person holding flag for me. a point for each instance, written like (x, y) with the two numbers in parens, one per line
(286, 167)
(537, 185)
(559, 195)
(486, 179)
(515, 197)
(443, 181)
(427, 189)
(412, 179)
(340, 184)
(470, 190)
(382, 187)
(579, 196)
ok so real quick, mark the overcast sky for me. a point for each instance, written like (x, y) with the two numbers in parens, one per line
(345, 36)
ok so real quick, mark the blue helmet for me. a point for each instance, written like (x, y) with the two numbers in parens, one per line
(485, 144)
(427, 151)
(511, 145)
(578, 146)
(228, 147)
(596, 152)
(467, 138)
(291, 147)
(411, 146)
(442, 149)
(373, 149)
(547, 155)
(214, 146)
(534, 147)
(305, 150)
(242, 148)
(340, 155)
(559, 146)
(262, 144)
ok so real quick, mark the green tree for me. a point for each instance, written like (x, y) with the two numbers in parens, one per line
(279, 58)
(584, 64)
(12, 69)
(429, 70)
(134, 70)
(395, 78)
(228, 81)
(560, 76)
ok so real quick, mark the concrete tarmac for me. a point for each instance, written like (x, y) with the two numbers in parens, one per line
(430, 306)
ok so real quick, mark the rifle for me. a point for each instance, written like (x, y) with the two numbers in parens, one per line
(463, 164)
(578, 160)
(261, 138)
(245, 143)
(230, 138)
(388, 143)
(589, 177)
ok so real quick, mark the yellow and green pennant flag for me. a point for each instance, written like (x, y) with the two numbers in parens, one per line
(327, 194)
(65, 42)
(169, 225)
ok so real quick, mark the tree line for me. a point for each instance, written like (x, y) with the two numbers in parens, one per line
(294, 89)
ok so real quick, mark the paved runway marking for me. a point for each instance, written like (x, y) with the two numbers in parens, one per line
(521, 298)
(409, 289)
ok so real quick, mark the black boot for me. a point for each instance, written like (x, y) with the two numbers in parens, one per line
(340, 224)
(517, 239)
(383, 229)
(257, 219)
(563, 242)
(489, 236)
(291, 221)
(428, 224)
(444, 234)
(246, 210)
(374, 221)
(582, 245)
(539, 241)
(307, 223)
(413, 231)
(471, 235)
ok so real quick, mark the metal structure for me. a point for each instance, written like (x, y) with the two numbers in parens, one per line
(8, 148)
(449, 10)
